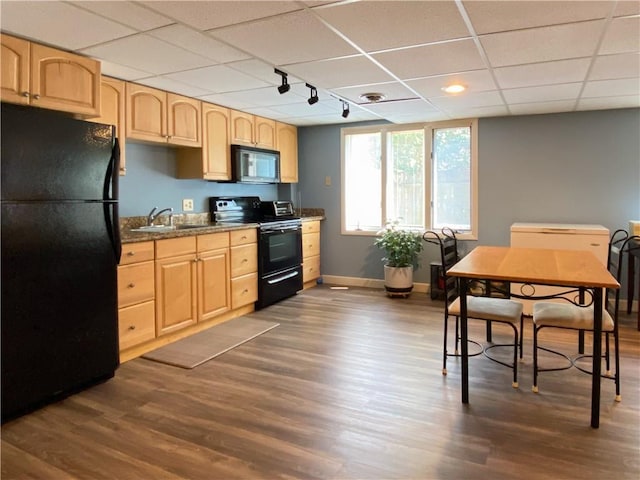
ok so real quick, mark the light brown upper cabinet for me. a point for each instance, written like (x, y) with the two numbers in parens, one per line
(288, 145)
(247, 129)
(112, 100)
(157, 116)
(40, 76)
(213, 162)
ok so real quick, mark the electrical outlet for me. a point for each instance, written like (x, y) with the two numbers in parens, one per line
(327, 181)
(187, 205)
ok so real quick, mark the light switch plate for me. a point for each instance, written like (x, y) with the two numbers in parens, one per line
(187, 205)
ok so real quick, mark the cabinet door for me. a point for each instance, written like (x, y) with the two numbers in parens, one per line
(64, 81)
(216, 151)
(146, 113)
(176, 293)
(288, 146)
(214, 294)
(184, 121)
(265, 133)
(112, 104)
(242, 128)
(14, 79)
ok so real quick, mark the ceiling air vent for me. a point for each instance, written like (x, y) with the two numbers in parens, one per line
(372, 97)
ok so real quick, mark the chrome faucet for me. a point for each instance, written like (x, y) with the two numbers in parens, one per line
(153, 215)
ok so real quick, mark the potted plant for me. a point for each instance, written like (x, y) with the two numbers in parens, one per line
(401, 248)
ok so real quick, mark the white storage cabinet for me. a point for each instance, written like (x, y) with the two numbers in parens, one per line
(594, 238)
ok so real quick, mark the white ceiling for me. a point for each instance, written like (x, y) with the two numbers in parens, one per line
(514, 57)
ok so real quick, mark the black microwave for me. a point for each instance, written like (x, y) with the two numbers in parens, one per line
(255, 165)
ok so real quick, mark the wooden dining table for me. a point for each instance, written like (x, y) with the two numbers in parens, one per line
(574, 269)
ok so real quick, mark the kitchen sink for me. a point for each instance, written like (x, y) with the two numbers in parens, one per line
(153, 228)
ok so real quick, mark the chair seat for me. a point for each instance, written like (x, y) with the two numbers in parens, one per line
(563, 315)
(487, 308)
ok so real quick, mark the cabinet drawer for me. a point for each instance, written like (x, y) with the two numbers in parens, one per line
(244, 290)
(136, 324)
(135, 283)
(244, 259)
(242, 237)
(136, 252)
(311, 227)
(310, 269)
(310, 244)
(212, 241)
(172, 247)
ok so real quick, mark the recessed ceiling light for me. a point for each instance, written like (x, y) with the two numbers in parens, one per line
(372, 97)
(454, 88)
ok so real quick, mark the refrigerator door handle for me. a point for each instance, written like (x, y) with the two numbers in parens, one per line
(111, 200)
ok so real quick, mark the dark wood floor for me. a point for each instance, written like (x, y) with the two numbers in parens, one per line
(349, 386)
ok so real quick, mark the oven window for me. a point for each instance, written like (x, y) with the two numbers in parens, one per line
(281, 250)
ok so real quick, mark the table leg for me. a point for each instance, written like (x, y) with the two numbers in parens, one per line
(597, 357)
(464, 337)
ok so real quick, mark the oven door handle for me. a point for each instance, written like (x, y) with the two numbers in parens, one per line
(281, 228)
(283, 278)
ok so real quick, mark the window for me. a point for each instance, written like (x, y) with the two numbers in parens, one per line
(386, 176)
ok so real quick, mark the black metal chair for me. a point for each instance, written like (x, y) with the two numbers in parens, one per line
(488, 309)
(576, 317)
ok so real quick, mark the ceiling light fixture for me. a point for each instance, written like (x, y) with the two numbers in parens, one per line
(372, 97)
(313, 96)
(284, 88)
(345, 109)
(454, 88)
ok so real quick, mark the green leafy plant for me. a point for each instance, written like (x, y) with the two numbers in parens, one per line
(402, 247)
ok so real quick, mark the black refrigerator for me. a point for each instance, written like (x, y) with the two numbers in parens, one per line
(60, 250)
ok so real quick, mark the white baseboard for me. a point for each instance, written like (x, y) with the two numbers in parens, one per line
(367, 283)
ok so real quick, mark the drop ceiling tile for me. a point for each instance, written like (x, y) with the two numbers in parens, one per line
(147, 53)
(547, 93)
(391, 91)
(434, 59)
(383, 24)
(267, 113)
(624, 65)
(304, 109)
(426, 117)
(340, 72)
(402, 107)
(543, 44)
(127, 13)
(199, 43)
(467, 100)
(120, 71)
(623, 35)
(261, 70)
(605, 103)
(612, 88)
(542, 107)
(217, 78)
(169, 85)
(493, 16)
(208, 15)
(225, 100)
(33, 20)
(285, 39)
(265, 97)
(545, 73)
(627, 8)
(475, 81)
(491, 111)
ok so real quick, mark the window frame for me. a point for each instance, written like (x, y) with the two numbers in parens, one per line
(428, 129)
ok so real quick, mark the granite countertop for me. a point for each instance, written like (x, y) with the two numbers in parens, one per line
(203, 227)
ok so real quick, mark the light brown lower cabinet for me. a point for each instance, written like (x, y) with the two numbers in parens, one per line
(310, 253)
(244, 267)
(214, 293)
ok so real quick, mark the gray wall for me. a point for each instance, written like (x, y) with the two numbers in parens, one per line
(581, 167)
(151, 181)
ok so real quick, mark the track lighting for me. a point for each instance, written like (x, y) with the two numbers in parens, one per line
(313, 96)
(284, 88)
(345, 109)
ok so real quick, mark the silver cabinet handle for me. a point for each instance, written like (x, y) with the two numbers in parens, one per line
(25, 94)
(37, 97)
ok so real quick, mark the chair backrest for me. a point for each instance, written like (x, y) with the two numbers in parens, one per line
(620, 244)
(448, 244)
